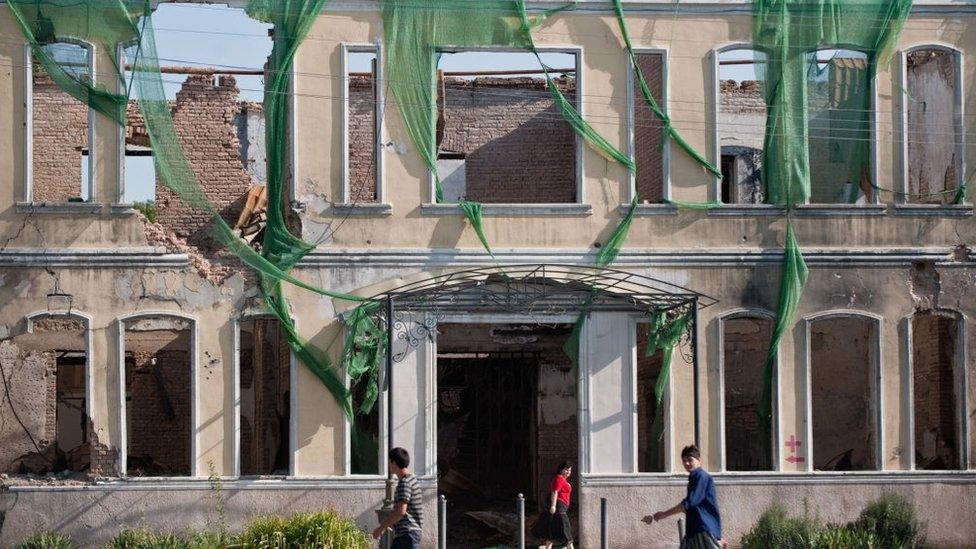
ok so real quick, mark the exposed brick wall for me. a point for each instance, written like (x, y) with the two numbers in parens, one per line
(204, 116)
(934, 383)
(158, 417)
(746, 343)
(843, 394)
(60, 127)
(648, 130)
(264, 399)
(362, 138)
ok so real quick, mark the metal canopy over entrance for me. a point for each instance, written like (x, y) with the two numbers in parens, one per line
(539, 292)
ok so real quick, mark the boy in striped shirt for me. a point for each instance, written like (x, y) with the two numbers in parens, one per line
(407, 516)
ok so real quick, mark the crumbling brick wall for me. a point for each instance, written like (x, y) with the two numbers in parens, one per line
(60, 129)
(648, 131)
(28, 390)
(205, 116)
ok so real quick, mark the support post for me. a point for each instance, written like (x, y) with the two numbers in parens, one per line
(442, 522)
(520, 510)
(603, 524)
(389, 374)
(681, 530)
(694, 367)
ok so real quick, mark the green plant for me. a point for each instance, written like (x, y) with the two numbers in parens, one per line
(892, 520)
(321, 530)
(846, 536)
(147, 539)
(776, 529)
(47, 540)
(148, 209)
(218, 519)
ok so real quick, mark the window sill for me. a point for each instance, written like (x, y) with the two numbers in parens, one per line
(745, 210)
(59, 207)
(357, 209)
(933, 210)
(649, 209)
(511, 209)
(840, 210)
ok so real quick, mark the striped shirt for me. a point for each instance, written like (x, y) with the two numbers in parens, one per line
(408, 490)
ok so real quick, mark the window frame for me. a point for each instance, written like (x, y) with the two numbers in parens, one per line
(776, 435)
(577, 207)
(805, 377)
(123, 443)
(381, 205)
(28, 185)
(901, 201)
(961, 375)
(633, 94)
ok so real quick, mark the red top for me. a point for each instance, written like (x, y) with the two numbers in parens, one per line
(562, 489)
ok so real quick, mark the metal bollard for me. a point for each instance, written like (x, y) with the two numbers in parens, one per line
(681, 530)
(603, 524)
(520, 509)
(442, 522)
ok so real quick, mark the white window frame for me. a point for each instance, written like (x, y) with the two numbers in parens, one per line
(959, 129)
(961, 376)
(805, 377)
(123, 444)
(237, 322)
(29, 122)
(633, 95)
(667, 405)
(776, 435)
(540, 207)
(89, 345)
(378, 115)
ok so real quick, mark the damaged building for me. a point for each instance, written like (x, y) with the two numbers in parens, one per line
(140, 356)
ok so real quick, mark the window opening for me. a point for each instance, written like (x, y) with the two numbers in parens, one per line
(649, 131)
(935, 391)
(362, 140)
(61, 168)
(741, 125)
(158, 370)
(746, 343)
(843, 364)
(931, 98)
(652, 420)
(839, 107)
(265, 398)
(500, 136)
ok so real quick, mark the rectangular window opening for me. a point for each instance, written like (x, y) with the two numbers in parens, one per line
(746, 342)
(362, 147)
(61, 167)
(265, 398)
(158, 369)
(932, 105)
(501, 137)
(843, 365)
(649, 130)
(652, 420)
(741, 125)
(935, 391)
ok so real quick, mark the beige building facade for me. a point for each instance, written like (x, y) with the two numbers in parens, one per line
(875, 380)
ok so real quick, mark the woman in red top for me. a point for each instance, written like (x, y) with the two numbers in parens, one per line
(554, 525)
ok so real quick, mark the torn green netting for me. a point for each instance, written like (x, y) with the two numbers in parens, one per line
(663, 335)
(413, 32)
(669, 128)
(473, 211)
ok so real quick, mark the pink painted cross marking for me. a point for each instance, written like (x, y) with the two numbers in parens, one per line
(793, 443)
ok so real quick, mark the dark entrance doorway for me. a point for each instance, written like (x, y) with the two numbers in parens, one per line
(506, 416)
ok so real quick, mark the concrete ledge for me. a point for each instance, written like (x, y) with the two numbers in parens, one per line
(502, 210)
(62, 208)
(92, 258)
(788, 479)
(362, 209)
(933, 210)
(840, 210)
(644, 210)
(745, 210)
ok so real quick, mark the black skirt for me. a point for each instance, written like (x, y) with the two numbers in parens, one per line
(554, 527)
